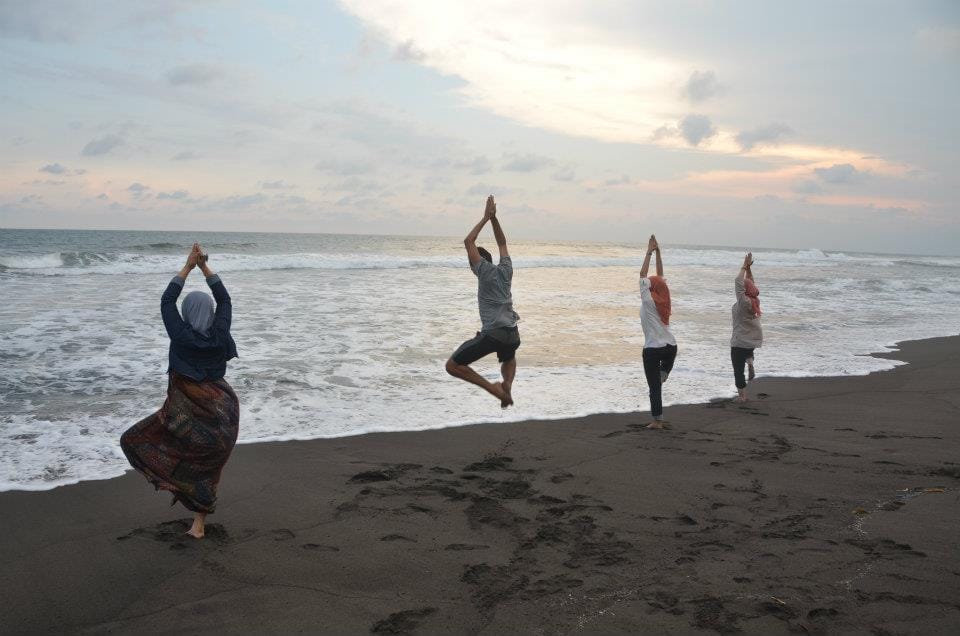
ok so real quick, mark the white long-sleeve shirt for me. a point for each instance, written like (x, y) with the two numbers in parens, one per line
(655, 333)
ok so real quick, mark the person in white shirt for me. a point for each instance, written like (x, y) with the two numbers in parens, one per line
(659, 346)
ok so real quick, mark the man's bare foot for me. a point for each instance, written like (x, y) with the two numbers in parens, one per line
(655, 425)
(501, 394)
(509, 401)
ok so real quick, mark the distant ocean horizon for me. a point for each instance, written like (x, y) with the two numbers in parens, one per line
(347, 334)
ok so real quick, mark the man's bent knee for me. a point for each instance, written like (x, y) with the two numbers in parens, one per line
(453, 368)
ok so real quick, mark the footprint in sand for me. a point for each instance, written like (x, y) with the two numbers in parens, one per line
(282, 534)
(402, 622)
(461, 547)
(319, 547)
(173, 533)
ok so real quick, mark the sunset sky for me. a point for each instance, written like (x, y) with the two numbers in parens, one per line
(779, 124)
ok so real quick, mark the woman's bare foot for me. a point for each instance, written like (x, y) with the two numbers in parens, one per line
(741, 396)
(197, 529)
(655, 425)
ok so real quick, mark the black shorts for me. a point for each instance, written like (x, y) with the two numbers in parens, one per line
(503, 340)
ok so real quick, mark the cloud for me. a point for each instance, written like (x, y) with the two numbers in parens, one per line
(485, 189)
(939, 39)
(808, 186)
(696, 128)
(102, 145)
(407, 51)
(701, 86)
(279, 184)
(477, 165)
(345, 168)
(73, 20)
(194, 75)
(564, 174)
(769, 134)
(176, 195)
(526, 162)
(618, 181)
(243, 200)
(137, 190)
(838, 173)
(185, 155)
(55, 168)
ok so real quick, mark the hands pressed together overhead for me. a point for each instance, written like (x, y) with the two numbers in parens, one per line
(491, 209)
(196, 258)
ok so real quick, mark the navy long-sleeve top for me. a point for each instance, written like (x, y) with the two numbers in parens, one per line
(197, 356)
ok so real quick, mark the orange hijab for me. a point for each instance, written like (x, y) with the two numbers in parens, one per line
(661, 296)
(753, 294)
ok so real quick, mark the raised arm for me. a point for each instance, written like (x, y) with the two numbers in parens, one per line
(471, 241)
(168, 301)
(224, 313)
(659, 259)
(739, 284)
(651, 247)
(746, 268)
(498, 231)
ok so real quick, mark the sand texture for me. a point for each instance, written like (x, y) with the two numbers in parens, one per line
(826, 505)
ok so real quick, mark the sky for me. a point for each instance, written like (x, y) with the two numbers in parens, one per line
(752, 123)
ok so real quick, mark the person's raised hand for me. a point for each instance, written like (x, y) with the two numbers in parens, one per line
(193, 257)
(491, 209)
(652, 245)
(748, 259)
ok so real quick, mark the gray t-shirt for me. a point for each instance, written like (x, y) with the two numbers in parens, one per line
(493, 293)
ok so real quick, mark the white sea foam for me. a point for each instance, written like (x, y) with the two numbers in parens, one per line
(341, 339)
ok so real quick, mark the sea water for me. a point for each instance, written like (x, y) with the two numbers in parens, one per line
(342, 335)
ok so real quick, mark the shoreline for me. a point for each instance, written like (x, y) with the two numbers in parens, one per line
(827, 505)
(889, 348)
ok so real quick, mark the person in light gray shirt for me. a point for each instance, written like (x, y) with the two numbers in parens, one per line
(747, 331)
(498, 331)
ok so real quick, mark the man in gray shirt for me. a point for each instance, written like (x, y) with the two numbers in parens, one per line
(498, 332)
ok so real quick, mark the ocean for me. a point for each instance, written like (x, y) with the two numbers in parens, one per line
(341, 335)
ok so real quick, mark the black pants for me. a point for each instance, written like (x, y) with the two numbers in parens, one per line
(656, 360)
(739, 357)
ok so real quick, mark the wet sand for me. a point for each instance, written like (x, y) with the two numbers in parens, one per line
(825, 505)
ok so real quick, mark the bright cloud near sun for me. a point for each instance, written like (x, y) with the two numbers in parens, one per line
(543, 64)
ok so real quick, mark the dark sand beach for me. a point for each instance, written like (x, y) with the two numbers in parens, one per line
(826, 505)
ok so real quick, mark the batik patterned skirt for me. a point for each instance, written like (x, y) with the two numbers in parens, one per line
(184, 446)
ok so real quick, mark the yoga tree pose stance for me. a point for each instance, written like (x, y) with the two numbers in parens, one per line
(659, 346)
(747, 333)
(183, 447)
(498, 330)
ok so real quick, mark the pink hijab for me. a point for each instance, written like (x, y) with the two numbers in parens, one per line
(754, 295)
(661, 296)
